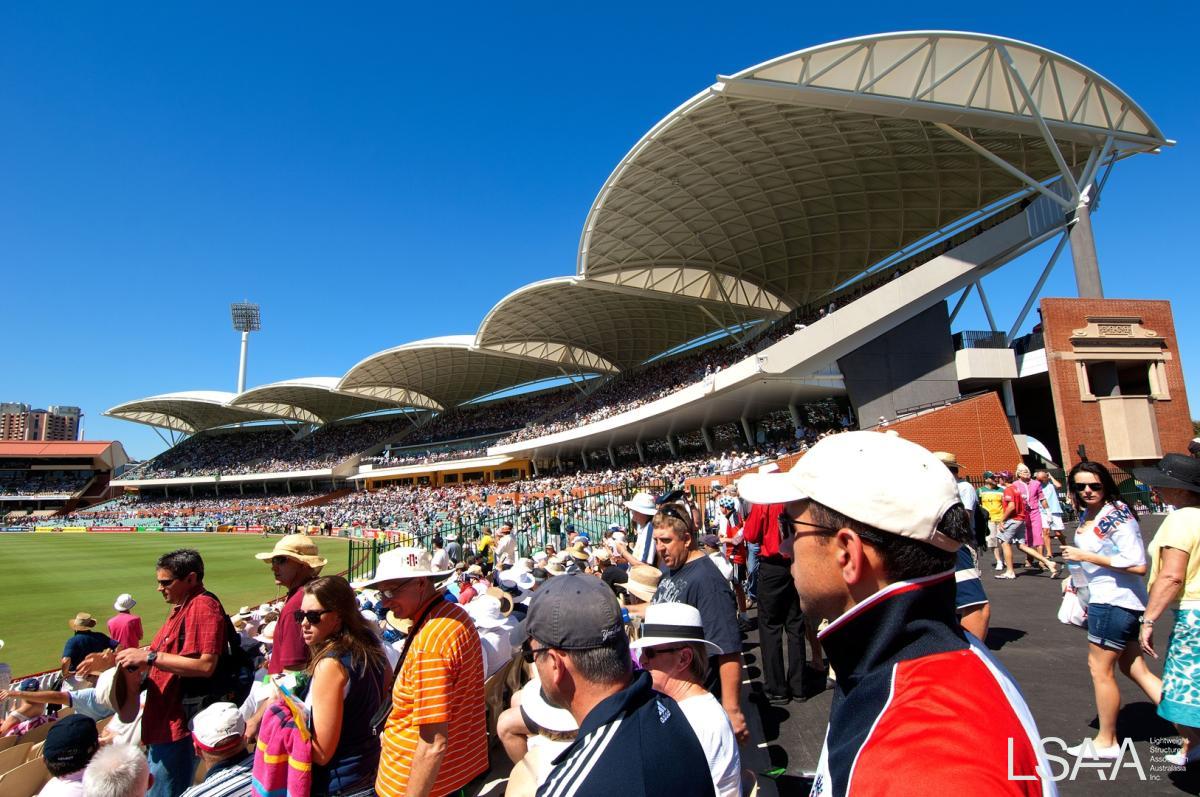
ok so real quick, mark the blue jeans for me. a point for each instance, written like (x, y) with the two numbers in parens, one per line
(752, 570)
(173, 765)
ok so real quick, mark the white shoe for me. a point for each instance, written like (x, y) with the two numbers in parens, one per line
(1088, 749)
(999, 567)
(1181, 760)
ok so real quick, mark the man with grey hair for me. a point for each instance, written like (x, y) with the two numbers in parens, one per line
(118, 770)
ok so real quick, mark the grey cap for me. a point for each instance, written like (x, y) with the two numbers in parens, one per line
(574, 612)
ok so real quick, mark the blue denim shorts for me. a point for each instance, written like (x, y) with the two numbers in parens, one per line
(1112, 627)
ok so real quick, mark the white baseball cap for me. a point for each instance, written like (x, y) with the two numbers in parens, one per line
(218, 727)
(883, 481)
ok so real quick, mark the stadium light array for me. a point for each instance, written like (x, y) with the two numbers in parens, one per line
(247, 318)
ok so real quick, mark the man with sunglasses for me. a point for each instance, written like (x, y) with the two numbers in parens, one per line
(186, 648)
(690, 577)
(632, 740)
(875, 525)
(294, 562)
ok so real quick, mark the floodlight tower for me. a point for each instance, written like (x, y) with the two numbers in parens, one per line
(246, 319)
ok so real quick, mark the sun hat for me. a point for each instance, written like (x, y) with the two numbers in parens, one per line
(124, 602)
(555, 568)
(579, 552)
(401, 624)
(571, 613)
(643, 581)
(400, 563)
(505, 600)
(539, 556)
(666, 623)
(110, 690)
(602, 555)
(71, 742)
(1174, 471)
(1194, 447)
(537, 708)
(218, 728)
(642, 503)
(888, 483)
(82, 621)
(487, 612)
(296, 546)
(267, 636)
(948, 459)
(475, 570)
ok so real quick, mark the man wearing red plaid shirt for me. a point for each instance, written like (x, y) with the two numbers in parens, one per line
(186, 647)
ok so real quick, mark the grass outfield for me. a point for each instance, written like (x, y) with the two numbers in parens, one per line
(46, 578)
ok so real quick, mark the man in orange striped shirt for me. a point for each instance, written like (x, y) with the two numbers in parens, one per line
(435, 739)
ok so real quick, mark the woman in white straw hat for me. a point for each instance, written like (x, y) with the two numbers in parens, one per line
(673, 650)
(641, 510)
(495, 626)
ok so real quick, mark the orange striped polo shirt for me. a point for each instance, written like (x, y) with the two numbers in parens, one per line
(441, 681)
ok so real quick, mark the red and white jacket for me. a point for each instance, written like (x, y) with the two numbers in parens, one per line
(919, 710)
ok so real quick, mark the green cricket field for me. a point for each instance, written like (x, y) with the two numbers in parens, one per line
(46, 578)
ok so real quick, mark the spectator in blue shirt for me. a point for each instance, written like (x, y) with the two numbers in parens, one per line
(83, 642)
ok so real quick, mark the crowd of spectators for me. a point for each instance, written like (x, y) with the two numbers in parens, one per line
(34, 483)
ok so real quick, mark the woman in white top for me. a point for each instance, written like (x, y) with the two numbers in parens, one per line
(1109, 547)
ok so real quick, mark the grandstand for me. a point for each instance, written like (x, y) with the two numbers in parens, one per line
(776, 256)
(39, 480)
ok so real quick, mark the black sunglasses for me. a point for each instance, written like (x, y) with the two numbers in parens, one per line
(313, 615)
(1079, 487)
(649, 653)
(680, 510)
(529, 655)
(787, 527)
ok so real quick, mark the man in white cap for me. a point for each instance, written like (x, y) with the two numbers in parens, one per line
(673, 650)
(294, 562)
(506, 546)
(217, 734)
(435, 738)
(873, 523)
(641, 511)
(125, 627)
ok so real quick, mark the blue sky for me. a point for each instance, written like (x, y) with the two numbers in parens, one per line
(375, 173)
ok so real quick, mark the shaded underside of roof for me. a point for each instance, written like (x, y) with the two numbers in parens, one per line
(624, 327)
(183, 413)
(310, 401)
(801, 173)
(447, 373)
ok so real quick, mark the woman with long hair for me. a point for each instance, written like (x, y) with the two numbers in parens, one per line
(1109, 548)
(348, 673)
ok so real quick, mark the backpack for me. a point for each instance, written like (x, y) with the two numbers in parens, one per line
(233, 676)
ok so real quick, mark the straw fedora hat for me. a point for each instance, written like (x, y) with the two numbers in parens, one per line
(667, 623)
(503, 598)
(643, 581)
(400, 563)
(296, 546)
(82, 622)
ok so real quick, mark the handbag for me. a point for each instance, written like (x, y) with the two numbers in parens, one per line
(1073, 609)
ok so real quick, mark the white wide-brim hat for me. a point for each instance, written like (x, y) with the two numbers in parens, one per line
(485, 612)
(883, 481)
(535, 706)
(268, 634)
(672, 623)
(642, 503)
(400, 563)
(124, 602)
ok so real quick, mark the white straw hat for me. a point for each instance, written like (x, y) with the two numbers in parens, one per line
(642, 503)
(124, 602)
(671, 623)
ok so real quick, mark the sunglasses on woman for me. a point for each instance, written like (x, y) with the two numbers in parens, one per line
(313, 616)
(1079, 487)
(649, 653)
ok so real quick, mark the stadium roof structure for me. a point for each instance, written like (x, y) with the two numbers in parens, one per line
(310, 400)
(191, 411)
(444, 372)
(805, 171)
(607, 330)
(107, 454)
(764, 192)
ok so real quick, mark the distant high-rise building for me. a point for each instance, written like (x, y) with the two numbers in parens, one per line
(21, 422)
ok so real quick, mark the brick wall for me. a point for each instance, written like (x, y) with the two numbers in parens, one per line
(1079, 421)
(975, 431)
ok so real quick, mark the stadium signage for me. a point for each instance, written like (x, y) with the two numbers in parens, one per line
(112, 529)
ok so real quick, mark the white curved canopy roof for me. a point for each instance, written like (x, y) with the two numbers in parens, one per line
(444, 372)
(800, 173)
(617, 328)
(311, 400)
(191, 411)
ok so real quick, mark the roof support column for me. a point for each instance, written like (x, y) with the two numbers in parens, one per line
(748, 430)
(1083, 252)
(794, 411)
(708, 441)
(671, 445)
(641, 451)
(612, 457)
